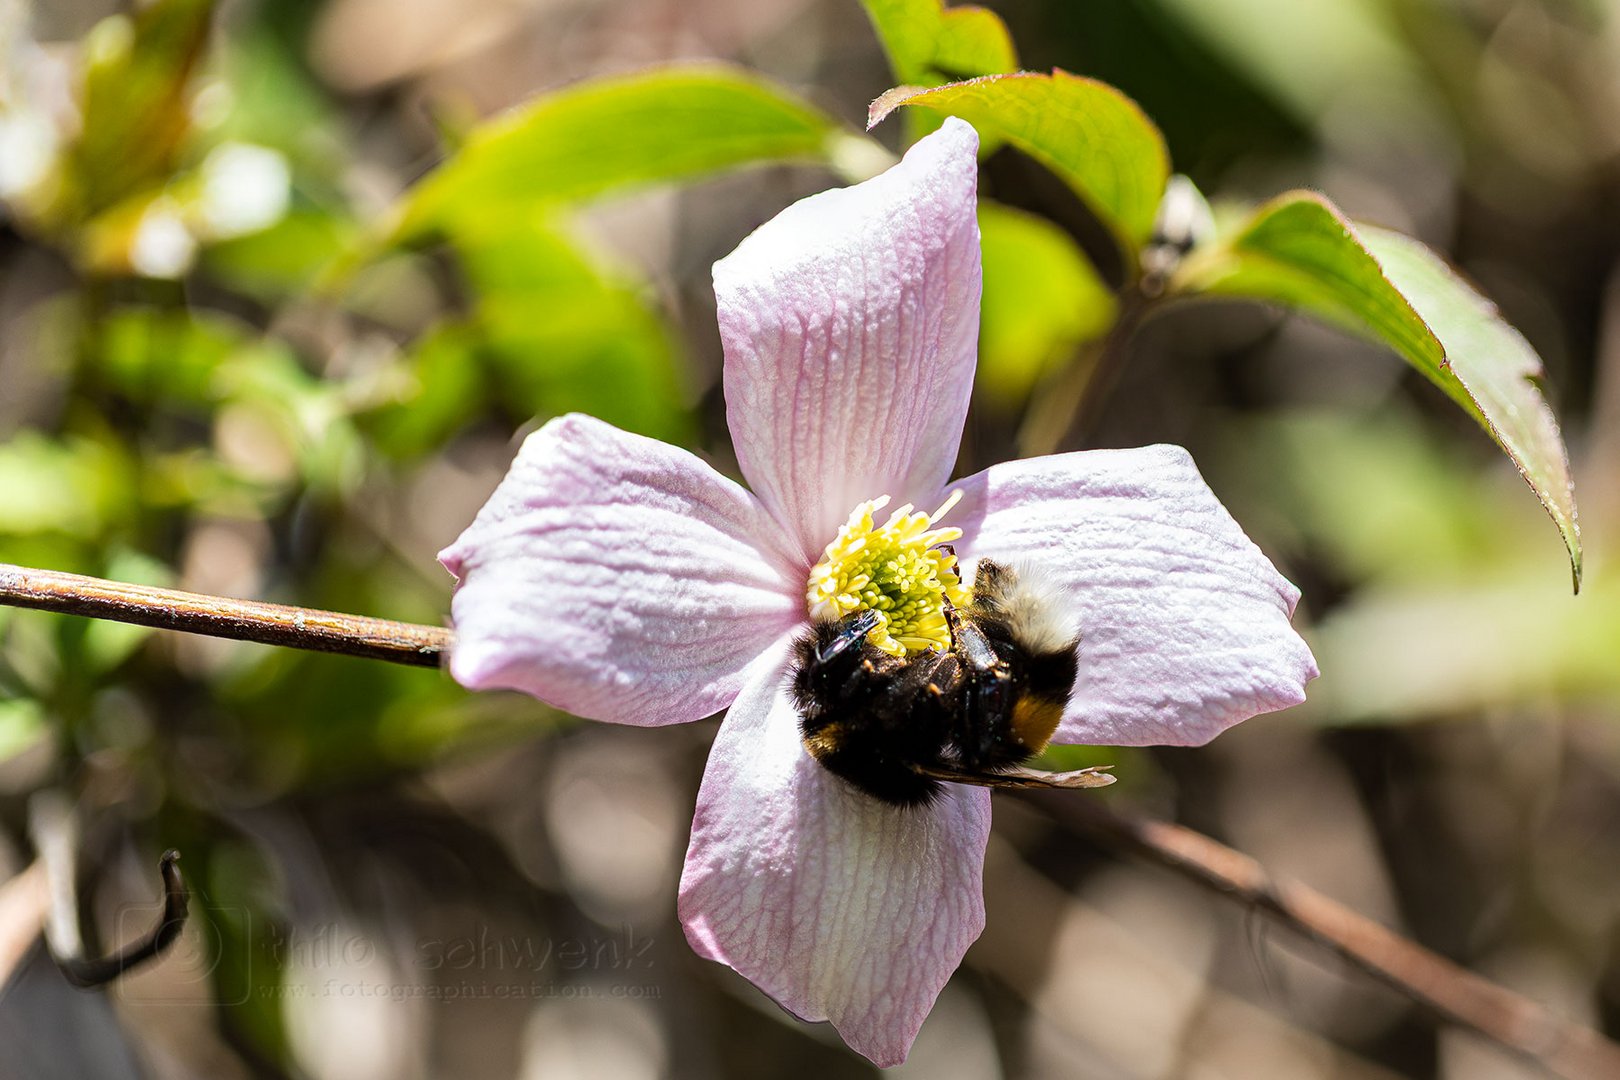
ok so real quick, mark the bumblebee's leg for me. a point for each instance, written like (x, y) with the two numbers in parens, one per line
(969, 641)
(987, 697)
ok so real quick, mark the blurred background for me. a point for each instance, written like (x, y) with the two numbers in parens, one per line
(213, 375)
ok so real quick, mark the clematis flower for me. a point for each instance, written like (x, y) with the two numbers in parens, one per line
(625, 580)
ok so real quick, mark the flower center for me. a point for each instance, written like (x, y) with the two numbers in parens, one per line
(896, 570)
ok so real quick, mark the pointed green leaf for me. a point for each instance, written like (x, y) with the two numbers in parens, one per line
(1092, 136)
(616, 133)
(1299, 251)
(928, 43)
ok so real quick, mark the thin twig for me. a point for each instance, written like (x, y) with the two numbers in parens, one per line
(1452, 992)
(216, 616)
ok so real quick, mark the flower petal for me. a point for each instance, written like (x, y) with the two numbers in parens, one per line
(618, 578)
(839, 906)
(1183, 622)
(850, 323)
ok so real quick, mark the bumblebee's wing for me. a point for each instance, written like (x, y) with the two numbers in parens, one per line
(1019, 777)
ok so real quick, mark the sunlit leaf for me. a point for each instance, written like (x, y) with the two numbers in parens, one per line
(77, 487)
(549, 331)
(138, 70)
(562, 333)
(283, 260)
(1299, 251)
(610, 134)
(445, 385)
(1091, 135)
(1495, 366)
(1042, 299)
(600, 351)
(928, 43)
(167, 356)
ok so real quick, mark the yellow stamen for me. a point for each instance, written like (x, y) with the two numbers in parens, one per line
(896, 570)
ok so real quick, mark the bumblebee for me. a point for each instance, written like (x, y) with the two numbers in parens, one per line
(896, 727)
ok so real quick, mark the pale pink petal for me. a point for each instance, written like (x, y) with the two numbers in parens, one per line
(618, 578)
(850, 323)
(1184, 623)
(839, 906)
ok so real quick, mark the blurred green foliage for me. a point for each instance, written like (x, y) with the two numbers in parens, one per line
(264, 350)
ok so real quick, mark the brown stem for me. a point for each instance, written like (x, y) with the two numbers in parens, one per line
(1454, 993)
(216, 616)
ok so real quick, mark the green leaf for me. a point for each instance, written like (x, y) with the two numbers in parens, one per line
(1299, 251)
(1495, 367)
(550, 331)
(594, 350)
(928, 43)
(281, 261)
(609, 134)
(1042, 300)
(167, 356)
(77, 487)
(445, 388)
(137, 107)
(1092, 136)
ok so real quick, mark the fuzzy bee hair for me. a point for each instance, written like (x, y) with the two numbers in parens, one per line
(1029, 599)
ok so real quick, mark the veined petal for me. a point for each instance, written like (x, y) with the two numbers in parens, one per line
(839, 906)
(850, 323)
(618, 578)
(1184, 623)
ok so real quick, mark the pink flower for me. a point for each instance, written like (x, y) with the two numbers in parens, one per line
(625, 580)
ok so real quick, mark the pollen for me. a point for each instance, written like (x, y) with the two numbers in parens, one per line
(896, 569)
